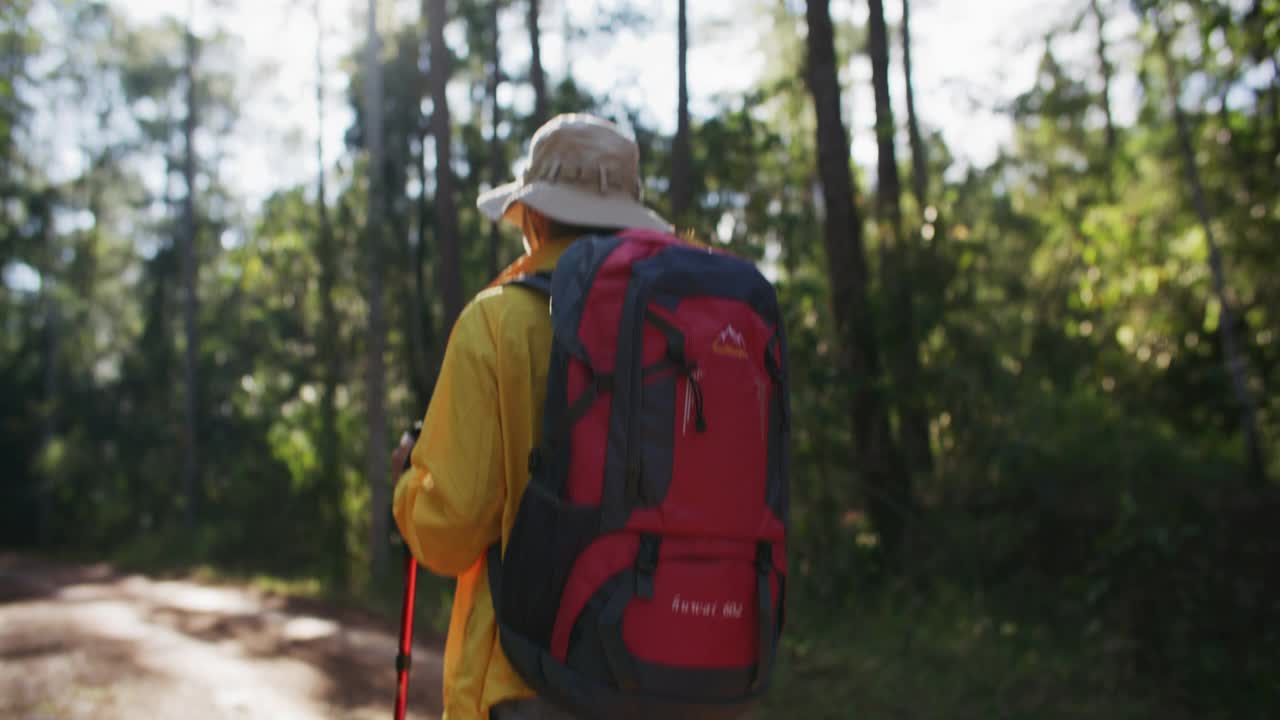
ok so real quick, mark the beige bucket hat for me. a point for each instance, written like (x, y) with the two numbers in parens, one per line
(581, 170)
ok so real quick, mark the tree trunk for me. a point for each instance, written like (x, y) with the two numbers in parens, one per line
(410, 292)
(536, 76)
(190, 305)
(1275, 108)
(330, 495)
(448, 267)
(886, 484)
(377, 450)
(904, 349)
(415, 311)
(49, 421)
(1227, 322)
(1108, 72)
(642, 141)
(497, 160)
(420, 260)
(919, 153)
(681, 182)
(49, 429)
(889, 184)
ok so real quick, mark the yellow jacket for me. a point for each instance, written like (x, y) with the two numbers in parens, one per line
(469, 470)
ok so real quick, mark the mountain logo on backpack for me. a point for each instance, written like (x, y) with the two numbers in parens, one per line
(730, 343)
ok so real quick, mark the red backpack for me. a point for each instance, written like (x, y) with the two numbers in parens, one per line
(646, 572)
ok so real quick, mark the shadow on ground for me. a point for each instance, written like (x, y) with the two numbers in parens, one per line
(54, 670)
(356, 657)
(47, 662)
(23, 579)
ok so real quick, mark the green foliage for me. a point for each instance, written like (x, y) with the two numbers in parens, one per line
(948, 655)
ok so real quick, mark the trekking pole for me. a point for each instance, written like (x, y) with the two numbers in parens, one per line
(404, 657)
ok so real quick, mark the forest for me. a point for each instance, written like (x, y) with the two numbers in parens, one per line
(1036, 396)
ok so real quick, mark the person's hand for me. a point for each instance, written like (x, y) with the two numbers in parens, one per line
(399, 457)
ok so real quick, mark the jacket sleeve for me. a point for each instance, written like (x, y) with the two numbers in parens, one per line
(448, 505)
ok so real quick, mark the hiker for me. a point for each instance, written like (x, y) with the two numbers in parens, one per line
(469, 466)
(604, 463)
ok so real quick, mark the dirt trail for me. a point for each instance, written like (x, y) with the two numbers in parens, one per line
(82, 641)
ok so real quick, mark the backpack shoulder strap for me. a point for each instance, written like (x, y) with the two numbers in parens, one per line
(538, 282)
